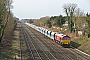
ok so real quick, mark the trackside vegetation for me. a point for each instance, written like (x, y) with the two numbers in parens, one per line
(6, 17)
(7, 25)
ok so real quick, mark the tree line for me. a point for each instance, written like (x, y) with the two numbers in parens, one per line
(55, 21)
(72, 11)
(6, 17)
(74, 16)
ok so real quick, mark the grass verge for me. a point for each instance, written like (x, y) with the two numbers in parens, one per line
(82, 44)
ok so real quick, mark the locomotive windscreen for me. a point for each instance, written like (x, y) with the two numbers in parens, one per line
(66, 38)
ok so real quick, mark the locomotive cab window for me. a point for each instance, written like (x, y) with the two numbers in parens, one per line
(65, 38)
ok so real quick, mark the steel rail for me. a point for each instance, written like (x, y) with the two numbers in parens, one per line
(43, 46)
(34, 52)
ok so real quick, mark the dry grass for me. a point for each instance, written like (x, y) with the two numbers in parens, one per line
(8, 47)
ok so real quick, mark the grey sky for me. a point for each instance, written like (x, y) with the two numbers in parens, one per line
(41, 8)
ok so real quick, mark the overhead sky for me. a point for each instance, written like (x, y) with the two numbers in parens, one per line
(40, 8)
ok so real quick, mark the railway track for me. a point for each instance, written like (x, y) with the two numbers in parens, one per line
(32, 49)
(79, 54)
(43, 52)
(42, 48)
(23, 51)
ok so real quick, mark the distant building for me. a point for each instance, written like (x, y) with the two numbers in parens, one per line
(66, 24)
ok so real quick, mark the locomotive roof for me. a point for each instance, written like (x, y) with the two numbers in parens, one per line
(62, 35)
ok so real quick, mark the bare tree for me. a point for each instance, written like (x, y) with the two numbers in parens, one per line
(79, 13)
(69, 9)
(5, 14)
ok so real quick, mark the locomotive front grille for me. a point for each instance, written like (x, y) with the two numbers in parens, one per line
(65, 42)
